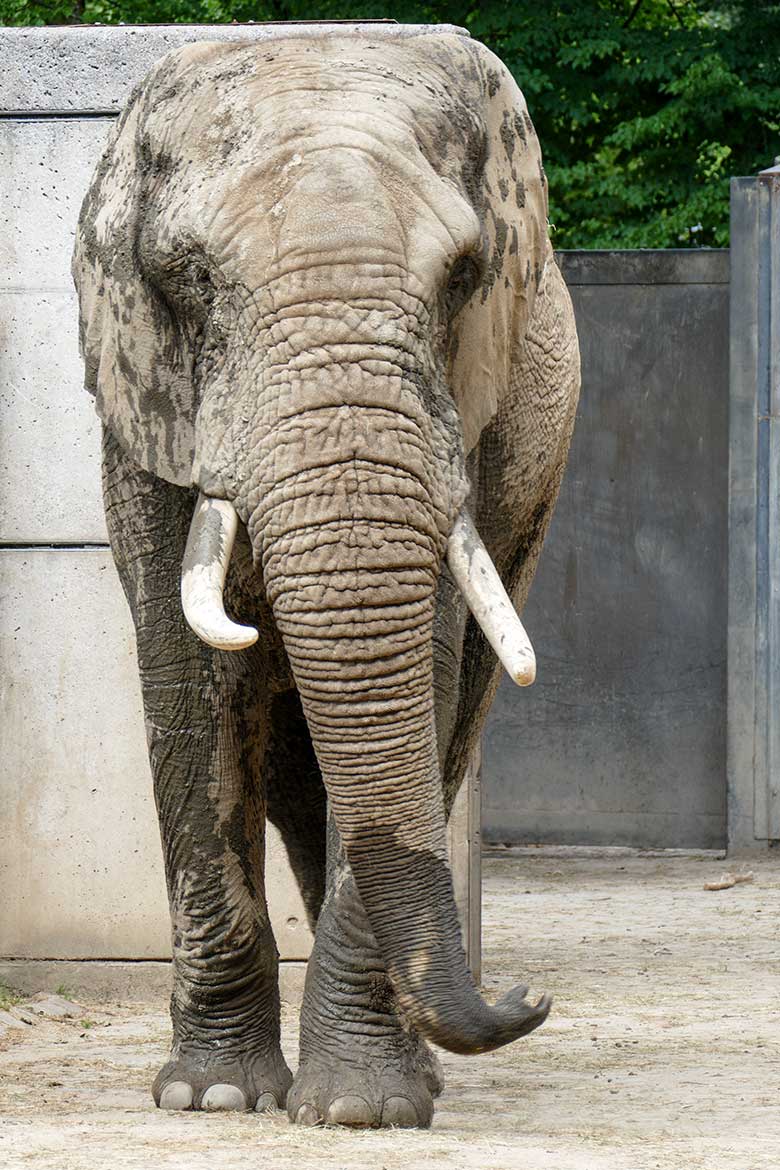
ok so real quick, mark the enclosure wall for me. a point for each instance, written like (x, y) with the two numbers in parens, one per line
(622, 740)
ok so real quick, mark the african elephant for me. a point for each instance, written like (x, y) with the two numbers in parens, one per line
(325, 332)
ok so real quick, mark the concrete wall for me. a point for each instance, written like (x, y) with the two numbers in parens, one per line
(80, 861)
(622, 740)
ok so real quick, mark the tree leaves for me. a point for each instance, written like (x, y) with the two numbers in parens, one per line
(644, 108)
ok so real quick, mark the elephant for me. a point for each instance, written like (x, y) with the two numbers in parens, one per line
(337, 370)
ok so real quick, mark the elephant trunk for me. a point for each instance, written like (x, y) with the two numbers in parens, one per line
(350, 550)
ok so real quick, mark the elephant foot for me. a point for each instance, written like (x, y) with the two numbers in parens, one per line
(366, 1089)
(202, 1079)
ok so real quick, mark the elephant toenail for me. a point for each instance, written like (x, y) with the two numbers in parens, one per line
(307, 1115)
(266, 1103)
(350, 1110)
(401, 1112)
(176, 1095)
(223, 1097)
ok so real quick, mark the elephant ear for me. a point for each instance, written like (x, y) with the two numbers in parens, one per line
(137, 356)
(509, 194)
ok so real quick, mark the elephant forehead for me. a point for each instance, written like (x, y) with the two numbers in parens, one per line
(324, 137)
(212, 107)
(339, 195)
(419, 74)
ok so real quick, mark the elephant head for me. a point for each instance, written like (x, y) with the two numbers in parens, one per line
(305, 267)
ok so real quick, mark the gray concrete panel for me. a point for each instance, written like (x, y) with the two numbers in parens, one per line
(49, 432)
(49, 441)
(45, 168)
(88, 68)
(650, 266)
(621, 741)
(80, 860)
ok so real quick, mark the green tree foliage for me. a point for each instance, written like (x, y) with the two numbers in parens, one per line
(644, 107)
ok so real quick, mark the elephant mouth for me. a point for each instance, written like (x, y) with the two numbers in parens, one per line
(207, 557)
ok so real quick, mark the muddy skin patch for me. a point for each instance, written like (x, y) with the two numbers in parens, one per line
(520, 193)
(493, 78)
(426, 963)
(507, 134)
(86, 230)
(209, 546)
(520, 129)
(496, 263)
(473, 168)
(501, 233)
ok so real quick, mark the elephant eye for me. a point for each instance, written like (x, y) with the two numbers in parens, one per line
(196, 276)
(463, 279)
(201, 275)
(186, 285)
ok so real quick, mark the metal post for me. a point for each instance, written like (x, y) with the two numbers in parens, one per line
(473, 783)
(754, 515)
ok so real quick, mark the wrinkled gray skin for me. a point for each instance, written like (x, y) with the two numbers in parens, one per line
(315, 280)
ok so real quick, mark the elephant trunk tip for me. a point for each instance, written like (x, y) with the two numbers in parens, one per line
(477, 1027)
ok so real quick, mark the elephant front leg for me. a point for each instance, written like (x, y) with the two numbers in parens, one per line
(205, 726)
(225, 1001)
(359, 1065)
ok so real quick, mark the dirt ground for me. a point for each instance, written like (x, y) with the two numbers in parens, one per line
(662, 1050)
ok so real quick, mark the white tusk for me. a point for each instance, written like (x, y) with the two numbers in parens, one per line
(205, 566)
(477, 578)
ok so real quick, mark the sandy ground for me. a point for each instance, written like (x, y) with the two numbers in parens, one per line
(661, 1052)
